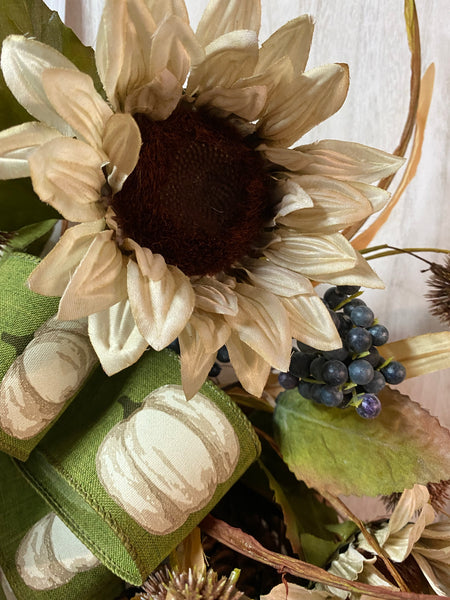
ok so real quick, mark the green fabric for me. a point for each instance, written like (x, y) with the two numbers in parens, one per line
(63, 467)
(20, 508)
(21, 313)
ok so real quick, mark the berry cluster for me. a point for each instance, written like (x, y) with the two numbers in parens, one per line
(353, 374)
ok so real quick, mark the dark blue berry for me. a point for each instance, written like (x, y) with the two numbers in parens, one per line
(394, 372)
(351, 304)
(345, 324)
(305, 348)
(331, 396)
(334, 372)
(305, 389)
(316, 390)
(215, 370)
(360, 371)
(359, 340)
(370, 407)
(374, 357)
(377, 384)
(222, 355)
(362, 316)
(300, 362)
(338, 354)
(288, 381)
(379, 333)
(333, 297)
(316, 367)
(348, 290)
(175, 346)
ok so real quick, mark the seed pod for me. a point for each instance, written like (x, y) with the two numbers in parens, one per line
(53, 366)
(50, 555)
(165, 461)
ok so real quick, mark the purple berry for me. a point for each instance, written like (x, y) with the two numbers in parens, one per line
(370, 407)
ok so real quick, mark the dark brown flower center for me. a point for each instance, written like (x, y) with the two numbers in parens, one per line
(198, 195)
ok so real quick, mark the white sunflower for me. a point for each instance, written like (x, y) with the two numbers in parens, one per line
(195, 218)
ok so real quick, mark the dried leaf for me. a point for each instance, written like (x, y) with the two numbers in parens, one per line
(421, 354)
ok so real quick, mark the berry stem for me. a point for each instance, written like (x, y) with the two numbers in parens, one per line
(392, 251)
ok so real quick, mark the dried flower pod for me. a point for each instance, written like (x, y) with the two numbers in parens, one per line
(51, 369)
(165, 461)
(50, 555)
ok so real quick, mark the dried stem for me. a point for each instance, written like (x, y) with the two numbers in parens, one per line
(247, 545)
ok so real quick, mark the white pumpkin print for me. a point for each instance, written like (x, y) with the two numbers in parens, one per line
(39, 382)
(50, 555)
(165, 461)
(7, 590)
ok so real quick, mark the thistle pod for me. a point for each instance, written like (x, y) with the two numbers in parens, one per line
(50, 555)
(51, 369)
(166, 460)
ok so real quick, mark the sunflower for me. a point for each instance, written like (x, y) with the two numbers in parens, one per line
(195, 218)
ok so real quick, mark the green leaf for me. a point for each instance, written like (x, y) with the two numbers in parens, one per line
(20, 206)
(339, 452)
(316, 550)
(30, 235)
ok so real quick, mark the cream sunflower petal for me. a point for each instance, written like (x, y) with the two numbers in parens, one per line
(437, 575)
(279, 71)
(73, 96)
(312, 255)
(67, 174)
(399, 545)
(262, 324)
(292, 40)
(53, 273)
(122, 143)
(336, 205)
(158, 98)
(411, 501)
(360, 274)
(23, 62)
(160, 9)
(199, 341)
(251, 369)
(222, 17)
(277, 280)
(285, 157)
(245, 102)
(98, 282)
(116, 338)
(349, 161)
(161, 308)
(299, 106)
(377, 197)
(293, 198)
(175, 47)
(228, 58)
(213, 296)
(311, 322)
(18, 143)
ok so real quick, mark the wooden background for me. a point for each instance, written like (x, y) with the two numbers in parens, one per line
(371, 38)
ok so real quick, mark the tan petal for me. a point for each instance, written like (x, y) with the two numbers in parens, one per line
(228, 58)
(411, 501)
(293, 198)
(349, 160)
(53, 273)
(245, 102)
(153, 266)
(160, 308)
(275, 279)
(311, 322)
(122, 143)
(116, 338)
(18, 143)
(98, 282)
(360, 274)
(312, 255)
(377, 197)
(67, 174)
(437, 575)
(174, 47)
(251, 369)
(199, 341)
(399, 544)
(157, 99)
(23, 62)
(279, 71)
(285, 157)
(222, 17)
(301, 105)
(292, 40)
(214, 296)
(336, 205)
(160, 9)
(262, 324)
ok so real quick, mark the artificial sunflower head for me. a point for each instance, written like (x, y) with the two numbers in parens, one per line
(196, 218)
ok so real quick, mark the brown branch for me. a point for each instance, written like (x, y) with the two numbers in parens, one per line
(245, 544)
